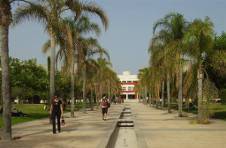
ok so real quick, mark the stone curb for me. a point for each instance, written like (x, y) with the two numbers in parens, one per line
(108, 142)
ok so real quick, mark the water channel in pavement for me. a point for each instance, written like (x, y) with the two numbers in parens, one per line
(126, 136)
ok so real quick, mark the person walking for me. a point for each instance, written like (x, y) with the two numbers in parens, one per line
(56, 111)
(104, 104)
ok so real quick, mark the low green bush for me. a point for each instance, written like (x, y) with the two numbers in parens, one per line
(222, 95)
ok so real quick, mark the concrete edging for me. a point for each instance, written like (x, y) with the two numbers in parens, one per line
(109, 141)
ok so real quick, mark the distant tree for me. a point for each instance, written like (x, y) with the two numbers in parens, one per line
(171, 32)
(216, 67)
(199, 42)
(29, 77)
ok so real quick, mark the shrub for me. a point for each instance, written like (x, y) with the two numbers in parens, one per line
(223, 95)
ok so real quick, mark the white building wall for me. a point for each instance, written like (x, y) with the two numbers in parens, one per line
(128, 82)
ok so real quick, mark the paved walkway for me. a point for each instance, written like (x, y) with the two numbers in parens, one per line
(87, 130)
(154, 129)
(158, 129)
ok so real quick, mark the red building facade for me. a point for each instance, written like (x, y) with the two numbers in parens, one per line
(128, 83)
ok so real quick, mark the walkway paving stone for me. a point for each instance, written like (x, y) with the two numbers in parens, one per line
(86, 130)
(163, 130)
(154, 129)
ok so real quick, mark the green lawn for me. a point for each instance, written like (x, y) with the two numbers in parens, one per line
(218, 111)
(34, 111)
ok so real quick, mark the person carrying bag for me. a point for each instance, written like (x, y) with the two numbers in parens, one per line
(56, 112)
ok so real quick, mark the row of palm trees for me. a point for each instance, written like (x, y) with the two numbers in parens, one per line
(178, 57)
(68, 27)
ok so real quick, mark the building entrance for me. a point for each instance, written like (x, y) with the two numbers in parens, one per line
(123, 96)
(131, 97)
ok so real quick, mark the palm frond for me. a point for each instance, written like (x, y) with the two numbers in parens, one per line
(31, 12)
(84, 25)
(75, 6)
(93, 8)
(46, 46)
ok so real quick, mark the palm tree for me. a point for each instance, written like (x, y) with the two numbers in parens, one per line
(161, 57)
(89, 48)
(144, 81)
(104, 64)
(84, 48)
(77, 45)
(199, 41)
(158, 61)
(72, 46)
(152, 81)
(33, 11)
(173, 26)
(50, 13)
(109, 79)
(113, 83)
(5, 21)
(90, 79)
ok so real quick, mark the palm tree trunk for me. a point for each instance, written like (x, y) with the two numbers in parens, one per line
(48, 68)
(109, 90)
(84, 88)
(150, 98)
(100, 79)
(91, 98)
(52, 66)
(158, 94)
(95, 92)
(168, 94)
(201, 118)
(145, 94)
(72, 87)
(101, 90)
(163, 87)
(180, 96)
(7, 130)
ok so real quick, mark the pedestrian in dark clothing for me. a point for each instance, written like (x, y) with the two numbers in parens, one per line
(56, 111)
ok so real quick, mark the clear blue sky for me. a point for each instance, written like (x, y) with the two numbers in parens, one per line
(129, 32)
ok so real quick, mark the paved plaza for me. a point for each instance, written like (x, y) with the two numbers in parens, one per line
(86, 130)
(163, 130)
(153, 128)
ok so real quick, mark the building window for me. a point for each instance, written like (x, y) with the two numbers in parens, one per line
(123, 88)
(130, 88)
